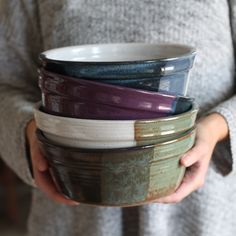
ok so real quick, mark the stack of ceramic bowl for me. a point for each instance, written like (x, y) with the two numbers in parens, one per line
(114, 120)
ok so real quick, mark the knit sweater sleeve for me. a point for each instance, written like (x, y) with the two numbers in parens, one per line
(19, 47)
(225, 151)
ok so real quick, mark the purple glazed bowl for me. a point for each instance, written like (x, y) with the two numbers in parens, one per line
(62, 106)
(77, 91)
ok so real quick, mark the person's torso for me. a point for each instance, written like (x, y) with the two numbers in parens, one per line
(204, 24)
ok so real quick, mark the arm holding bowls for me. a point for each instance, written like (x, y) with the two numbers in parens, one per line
(19, 93)
(210, 130)
(220, 125)
(40, 168)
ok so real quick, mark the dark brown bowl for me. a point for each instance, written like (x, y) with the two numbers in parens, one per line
(117, 177)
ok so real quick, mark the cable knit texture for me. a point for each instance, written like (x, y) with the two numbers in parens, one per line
(29, 26)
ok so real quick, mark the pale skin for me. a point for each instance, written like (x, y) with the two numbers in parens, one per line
(210, 130)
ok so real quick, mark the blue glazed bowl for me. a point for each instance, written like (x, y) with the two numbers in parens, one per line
(169, 84)
(123, 62)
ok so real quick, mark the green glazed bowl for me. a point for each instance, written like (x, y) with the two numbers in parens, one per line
(117, 177)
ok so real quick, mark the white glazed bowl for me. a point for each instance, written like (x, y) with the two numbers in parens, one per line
(120, 52)
(84, 133)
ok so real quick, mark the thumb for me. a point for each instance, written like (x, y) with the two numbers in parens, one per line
(38, 160)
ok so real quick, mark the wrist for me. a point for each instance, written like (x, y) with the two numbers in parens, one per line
(216, 125)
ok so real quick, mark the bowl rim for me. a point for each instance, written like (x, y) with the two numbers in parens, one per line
(45, 141)
(45, 57)
(77, 121)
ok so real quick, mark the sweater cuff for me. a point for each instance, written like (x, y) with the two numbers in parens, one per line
(224, 156)
(13, 146)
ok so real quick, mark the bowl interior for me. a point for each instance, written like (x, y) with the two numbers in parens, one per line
(118, 52)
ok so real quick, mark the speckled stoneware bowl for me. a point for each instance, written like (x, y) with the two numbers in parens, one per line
(86, 133)
(104, 101)
(119, 61)
(154, 67)
(117, 177)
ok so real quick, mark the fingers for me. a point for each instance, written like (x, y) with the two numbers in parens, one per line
(196, 161)
(199, 152)
(193, 180)
(43, 178)
(46, 184)
(39, 161)
(37, 158)
(191, 157)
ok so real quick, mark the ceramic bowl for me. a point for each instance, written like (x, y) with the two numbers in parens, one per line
(75, 93)
(62, 106)
(117, 177)
(175, 84)
(119, 61)
(87, 133)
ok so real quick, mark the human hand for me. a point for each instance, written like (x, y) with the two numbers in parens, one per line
(42, 176)
(210, 130)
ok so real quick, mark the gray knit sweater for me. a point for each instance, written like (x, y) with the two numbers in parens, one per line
(28, 27)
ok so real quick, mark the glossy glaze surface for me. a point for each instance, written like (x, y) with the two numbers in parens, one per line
(175, 84)
(119, 61)
(117, 177)
(62, 106)
(73, 94)
(113, 133)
